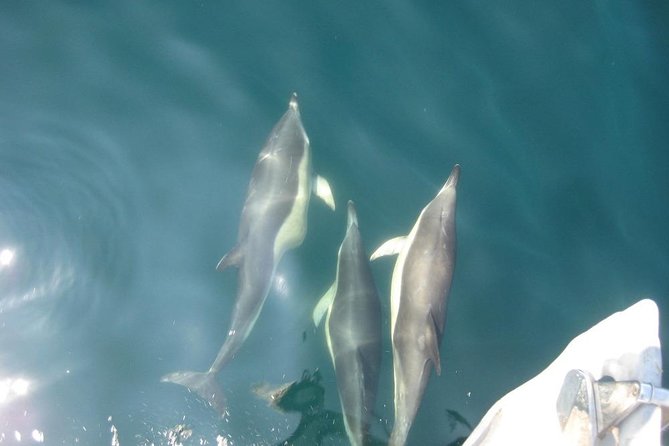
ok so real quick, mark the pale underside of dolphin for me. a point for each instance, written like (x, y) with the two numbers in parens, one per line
(420, 285)
(353, 332)
(273, 221)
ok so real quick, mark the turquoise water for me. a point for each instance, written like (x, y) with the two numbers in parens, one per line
(128, 131)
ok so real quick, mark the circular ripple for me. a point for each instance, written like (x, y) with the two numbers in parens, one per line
(65, 201)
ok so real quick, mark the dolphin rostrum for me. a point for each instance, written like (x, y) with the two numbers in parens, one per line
(273, 221)
(353, 332)
(418, 295)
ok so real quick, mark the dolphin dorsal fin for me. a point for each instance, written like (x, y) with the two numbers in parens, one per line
(389, 248)
(324, 304)
(432, 341)
(232, 258)
(322, 190)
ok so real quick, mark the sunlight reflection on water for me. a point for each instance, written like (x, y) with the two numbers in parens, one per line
(11, 388)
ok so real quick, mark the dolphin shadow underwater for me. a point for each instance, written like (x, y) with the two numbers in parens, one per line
(273, 221)
(306, 397)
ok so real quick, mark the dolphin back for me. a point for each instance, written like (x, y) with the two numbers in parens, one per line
(354, 333)
(420, 287)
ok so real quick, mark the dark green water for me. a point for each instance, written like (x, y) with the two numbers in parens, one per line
(128, 131)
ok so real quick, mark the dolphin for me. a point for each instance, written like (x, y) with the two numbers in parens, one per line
(418, 295)
(353, 332)
(273, 221)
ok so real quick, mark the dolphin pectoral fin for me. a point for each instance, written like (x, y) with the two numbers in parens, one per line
(201, 383)
(232, 258)
(323, 191)
(324, 304)
(389, 248)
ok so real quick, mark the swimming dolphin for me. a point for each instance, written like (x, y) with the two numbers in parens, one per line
(418, 296)
(353, 332)
(273, 220)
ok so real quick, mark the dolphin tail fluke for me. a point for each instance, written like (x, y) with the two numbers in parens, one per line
(201, 383)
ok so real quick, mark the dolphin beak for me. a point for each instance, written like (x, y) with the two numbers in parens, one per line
(453, 177)
(452, 180)
(352, 216)
(293, 102)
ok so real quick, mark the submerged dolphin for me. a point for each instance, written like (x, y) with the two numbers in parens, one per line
(274, 220)
(353, 332)
(419, 289)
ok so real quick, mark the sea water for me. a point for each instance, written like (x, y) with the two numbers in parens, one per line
(128, 132)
